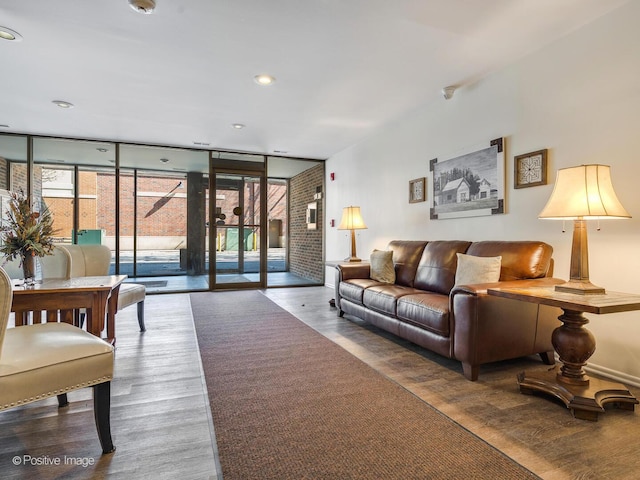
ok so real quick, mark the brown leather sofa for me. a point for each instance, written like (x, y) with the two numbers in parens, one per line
(461, 322)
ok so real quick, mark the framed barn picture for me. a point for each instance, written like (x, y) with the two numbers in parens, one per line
(469, 185)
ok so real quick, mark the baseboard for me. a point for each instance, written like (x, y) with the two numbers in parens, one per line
(613, 374)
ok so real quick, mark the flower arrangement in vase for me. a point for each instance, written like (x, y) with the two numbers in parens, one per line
(26, 234)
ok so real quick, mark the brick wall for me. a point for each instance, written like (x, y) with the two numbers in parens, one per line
(18, 173)
(18, 178)
(162, 205)
(306, 246)
(4, 174)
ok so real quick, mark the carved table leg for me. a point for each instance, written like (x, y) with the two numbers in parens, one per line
(583, 395)
(575, 345)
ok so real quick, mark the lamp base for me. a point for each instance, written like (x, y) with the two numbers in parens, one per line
(578, 287)
(352, 259)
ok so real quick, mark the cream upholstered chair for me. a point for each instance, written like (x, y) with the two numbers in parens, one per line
(70, 261)
(12, 267)
(42, 360)
(56, 265)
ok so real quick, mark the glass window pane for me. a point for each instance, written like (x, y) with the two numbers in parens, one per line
(58, 194)
(13, 163)
(69, 170)
(163, 215)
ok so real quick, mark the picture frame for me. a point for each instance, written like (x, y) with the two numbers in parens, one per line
(530, 169)
(312, 216)
(417, 190)
(469, 185)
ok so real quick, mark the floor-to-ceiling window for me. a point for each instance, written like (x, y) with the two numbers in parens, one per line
(163, 216)
(14, 177)
(151, 206)
(296, 245)
(13, 164)
(76, 180)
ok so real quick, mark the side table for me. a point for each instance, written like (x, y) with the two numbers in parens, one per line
(574, 344)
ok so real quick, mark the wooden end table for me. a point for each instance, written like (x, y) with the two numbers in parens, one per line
(575, 344)
(61, 297)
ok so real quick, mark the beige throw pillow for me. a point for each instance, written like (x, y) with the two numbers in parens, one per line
(382, 268)
(472, 269)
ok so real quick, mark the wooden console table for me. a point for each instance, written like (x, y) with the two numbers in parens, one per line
(59, 298)
(575, 344)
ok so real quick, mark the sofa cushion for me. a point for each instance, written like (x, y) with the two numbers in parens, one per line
(426, 310)
(472, 269)
(354, 288)
(437, 268)
(406, 256)
(520, 259)
(384, 297)
(382, 269)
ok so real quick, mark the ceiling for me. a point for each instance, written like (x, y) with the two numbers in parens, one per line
(184, 74)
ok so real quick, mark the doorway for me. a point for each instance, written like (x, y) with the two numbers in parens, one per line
(237, 237)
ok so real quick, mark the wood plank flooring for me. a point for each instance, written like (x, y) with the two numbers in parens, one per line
(160, 419)
(162, 427)
(537, 432)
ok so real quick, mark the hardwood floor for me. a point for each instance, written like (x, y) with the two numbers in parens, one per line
(162, 428)
(160, 420)
(537, 432)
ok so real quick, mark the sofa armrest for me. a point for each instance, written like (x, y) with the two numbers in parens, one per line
(353, 270)
(347, 272)
(487, 328)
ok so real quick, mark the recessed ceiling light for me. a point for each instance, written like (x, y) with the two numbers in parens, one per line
(102, 150)
(205, 144)
(143, 6)
(4, 126)
(237, 126)
(62, 104)
(8, 34)
(264, 79)
(164, 160)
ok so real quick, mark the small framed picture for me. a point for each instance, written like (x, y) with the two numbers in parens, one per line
(417, 191)
(312, 216)
(530, 169)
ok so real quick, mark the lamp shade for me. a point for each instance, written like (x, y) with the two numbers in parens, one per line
(584, 191)
(351, 219)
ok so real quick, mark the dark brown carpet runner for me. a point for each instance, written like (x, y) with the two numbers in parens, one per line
(287, 403)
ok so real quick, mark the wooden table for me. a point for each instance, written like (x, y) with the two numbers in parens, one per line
(575, 344)
(61, 298)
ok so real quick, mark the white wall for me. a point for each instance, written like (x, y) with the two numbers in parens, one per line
(580, 99)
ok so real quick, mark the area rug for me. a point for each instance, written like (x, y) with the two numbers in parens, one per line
(288, 403)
